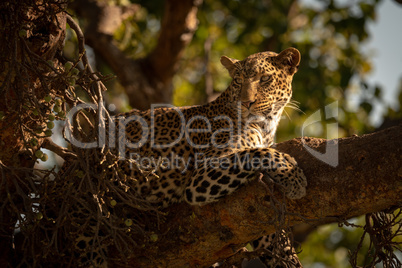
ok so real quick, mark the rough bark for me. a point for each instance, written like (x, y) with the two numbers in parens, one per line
(147, 80)
(367, 179)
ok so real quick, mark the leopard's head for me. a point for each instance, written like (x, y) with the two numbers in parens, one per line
(261, 84)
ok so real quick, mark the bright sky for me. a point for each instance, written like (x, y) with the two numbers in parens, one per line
(387, 42)
(386, 45)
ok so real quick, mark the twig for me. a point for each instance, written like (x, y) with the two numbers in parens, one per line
(62, 152)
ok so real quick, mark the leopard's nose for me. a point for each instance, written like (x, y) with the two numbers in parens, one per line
(247, 104)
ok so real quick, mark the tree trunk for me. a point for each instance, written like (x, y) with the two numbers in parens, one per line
(147, 80)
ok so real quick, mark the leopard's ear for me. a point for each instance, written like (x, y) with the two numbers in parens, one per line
(289, 59)
(229, 64)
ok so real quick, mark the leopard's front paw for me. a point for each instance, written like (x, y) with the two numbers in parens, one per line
(290, 176)
(297, 184)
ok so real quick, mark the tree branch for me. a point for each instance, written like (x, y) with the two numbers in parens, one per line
(367, 179)
(177, 28)
(60, 151)
(146, 80)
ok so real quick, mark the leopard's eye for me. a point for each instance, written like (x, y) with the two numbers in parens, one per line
(264, 78)
(238, 80)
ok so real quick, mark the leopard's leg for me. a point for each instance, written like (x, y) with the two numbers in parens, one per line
(216, 177)
(278, 256)
(282, 255)
(88, 254)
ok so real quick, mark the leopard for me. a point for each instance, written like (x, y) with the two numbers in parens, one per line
(239, 125)
(200, 154)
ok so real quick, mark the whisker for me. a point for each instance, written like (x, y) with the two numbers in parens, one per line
(287, 115)
(293, 104)
(296, 109)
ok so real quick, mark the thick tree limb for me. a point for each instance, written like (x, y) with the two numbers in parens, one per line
(367, 179)
(146, 80)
